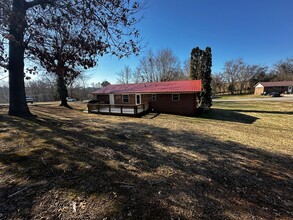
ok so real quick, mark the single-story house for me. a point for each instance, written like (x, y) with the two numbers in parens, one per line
(267, 87)
(173, 97)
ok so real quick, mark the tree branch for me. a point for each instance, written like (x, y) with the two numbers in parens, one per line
(43, 3)
(4, 65)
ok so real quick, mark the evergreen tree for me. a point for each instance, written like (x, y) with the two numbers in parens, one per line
(200, 68)
(195, 63)
(206, 100)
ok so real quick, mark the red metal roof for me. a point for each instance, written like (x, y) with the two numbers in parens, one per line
(273, 84)
(184, 86)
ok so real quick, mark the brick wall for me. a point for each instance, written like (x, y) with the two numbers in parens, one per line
(164, 104)
(103, 98)
(118, 99)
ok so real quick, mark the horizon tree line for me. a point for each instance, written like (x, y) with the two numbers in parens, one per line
(237, 75)
(240, 77)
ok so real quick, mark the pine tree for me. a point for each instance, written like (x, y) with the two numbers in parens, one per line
(195, 63)
(206, 100)
(200, 68)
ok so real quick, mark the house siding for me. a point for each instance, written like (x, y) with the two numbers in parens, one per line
(145, 98)
(119, 101)
(258, 90)
(267, 90)
(280, 89)
(164, 104)
(268, 87)
(103, 98)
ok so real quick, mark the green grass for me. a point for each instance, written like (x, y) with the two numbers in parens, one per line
(234, 162)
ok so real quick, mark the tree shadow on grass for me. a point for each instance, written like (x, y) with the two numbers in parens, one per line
(228, 115)
(261, 111)
(135, 171)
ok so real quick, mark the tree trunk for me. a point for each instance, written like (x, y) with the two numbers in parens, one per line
(62, 90)
(17, 101)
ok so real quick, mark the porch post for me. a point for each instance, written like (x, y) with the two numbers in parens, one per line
(135, 110)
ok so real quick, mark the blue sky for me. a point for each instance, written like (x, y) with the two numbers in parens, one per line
(259, 31)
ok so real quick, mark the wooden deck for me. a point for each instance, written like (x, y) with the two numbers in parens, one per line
(130, 110)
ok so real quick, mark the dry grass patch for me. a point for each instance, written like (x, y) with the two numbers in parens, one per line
(234, 162)
(242, 96)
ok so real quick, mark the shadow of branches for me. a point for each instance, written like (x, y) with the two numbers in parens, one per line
(88, 169)
(229, 115)
(262, 111)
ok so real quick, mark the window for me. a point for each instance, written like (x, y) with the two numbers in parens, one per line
(153, 97)
(175, 97)
(125, 98)
(138, 101)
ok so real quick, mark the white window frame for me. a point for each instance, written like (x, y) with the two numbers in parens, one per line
(136, 95)
(112, 99)
(127, 98)
(176, 100)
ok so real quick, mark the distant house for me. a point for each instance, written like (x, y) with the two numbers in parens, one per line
(267, 87)
(174, 97)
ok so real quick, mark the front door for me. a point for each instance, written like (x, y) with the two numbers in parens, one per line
(111, 97)
(138, 99)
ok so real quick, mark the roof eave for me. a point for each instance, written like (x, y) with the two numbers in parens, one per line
(138, 92)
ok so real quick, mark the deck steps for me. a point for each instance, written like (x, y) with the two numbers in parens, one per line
(150, 115)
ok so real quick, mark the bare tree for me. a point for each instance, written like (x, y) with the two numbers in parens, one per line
(78, 86)
(43, 88)
(146, 69)
(125, 75)
(111, 23)
(217, 83)
(245, 74)
(257, 74)
(186, 68)
(137, 75)
(242, 76)
(50, 80)
(233, 69)
(283, 70)
(162, 66)
(96, 86)
(40, 90)
(167, 66)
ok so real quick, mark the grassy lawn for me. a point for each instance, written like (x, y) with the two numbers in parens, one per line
(235, 162)
(243, 96)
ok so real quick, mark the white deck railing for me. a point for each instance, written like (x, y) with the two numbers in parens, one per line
(134, 110)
